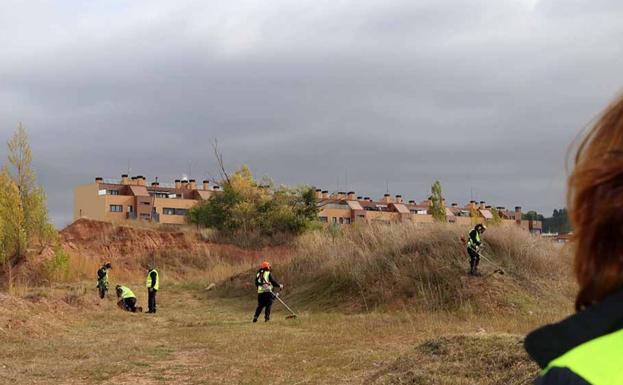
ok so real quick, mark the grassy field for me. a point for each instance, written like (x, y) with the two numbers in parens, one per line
(67, 336)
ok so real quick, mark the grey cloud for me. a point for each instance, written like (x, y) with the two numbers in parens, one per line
(485, 95)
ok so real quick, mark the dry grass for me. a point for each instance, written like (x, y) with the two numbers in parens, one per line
(440, 322)
(460, 360)
(364, 268)
(65, 335)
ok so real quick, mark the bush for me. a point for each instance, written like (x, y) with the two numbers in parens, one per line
(249, 213)
(57, 267)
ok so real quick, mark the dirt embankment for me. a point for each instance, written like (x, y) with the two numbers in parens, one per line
(181, 251)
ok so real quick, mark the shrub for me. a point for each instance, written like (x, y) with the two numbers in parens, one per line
(248, 213)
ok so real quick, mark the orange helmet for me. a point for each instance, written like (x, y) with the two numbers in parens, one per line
(265, 265)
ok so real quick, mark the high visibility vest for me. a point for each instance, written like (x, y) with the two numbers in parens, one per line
(148, 280)
(597, 361)
(470, 242)
(104, 279)
(126, 293)
(264, 282)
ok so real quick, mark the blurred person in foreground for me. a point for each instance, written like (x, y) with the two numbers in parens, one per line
(587, 347)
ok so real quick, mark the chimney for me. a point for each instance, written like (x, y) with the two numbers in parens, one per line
(341, 195)
(155, 184)
(367, 199)
(184, 184)
(217, 188)
(411, 202)
(206, 184)
(398, 198)
(518, 214)
(351, 196)
(99, 179)
(482, 205)
(325, 194)
(141, 180)
(487, 207)
(359, 197)
(124, 179)
(178, 184)
(318, 194)
(133, 181)
(387, 198)
(455, 205)
(192, 184)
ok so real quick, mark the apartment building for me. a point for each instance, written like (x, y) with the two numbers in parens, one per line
(132, 198)
(347, 208)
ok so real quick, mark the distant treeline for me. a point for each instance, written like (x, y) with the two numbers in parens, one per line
(557, 223)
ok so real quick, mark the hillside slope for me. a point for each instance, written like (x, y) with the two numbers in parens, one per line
(180, 253)
(391, 267)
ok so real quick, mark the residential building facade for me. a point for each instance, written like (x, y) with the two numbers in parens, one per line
(131, 198)
(347, 208)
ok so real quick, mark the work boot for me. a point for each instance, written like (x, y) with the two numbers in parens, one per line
(254, 319)
(267, 319)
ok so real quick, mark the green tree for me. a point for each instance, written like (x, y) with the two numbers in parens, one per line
(31, 196)
(23, 211)
(437, 208)
(496, 220)
(558, 223)
(246, 207)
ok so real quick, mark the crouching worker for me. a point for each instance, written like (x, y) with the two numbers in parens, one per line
(265, 282)
(127, 299)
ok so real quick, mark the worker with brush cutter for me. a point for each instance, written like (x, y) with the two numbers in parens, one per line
(264, 281)
(474, 242)
(102, 279)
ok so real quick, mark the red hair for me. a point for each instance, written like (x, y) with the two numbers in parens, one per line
(595, 199)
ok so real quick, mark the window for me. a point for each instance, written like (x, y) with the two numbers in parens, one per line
(147, 203)
(341, 220)
(334, 220)
(116, 208)
(347, 221)
(130, 209)
(172, 211)
(113, 192)
(324, 219)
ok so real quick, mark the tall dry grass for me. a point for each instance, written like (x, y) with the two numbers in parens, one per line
(364, 267)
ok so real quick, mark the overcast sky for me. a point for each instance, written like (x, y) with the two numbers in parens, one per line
(485, 96)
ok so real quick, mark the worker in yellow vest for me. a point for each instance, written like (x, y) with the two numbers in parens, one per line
(264, 282)
(127, 299)
(152, 282)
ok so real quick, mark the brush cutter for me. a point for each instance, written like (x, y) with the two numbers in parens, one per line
(293, 314)
(498, 268)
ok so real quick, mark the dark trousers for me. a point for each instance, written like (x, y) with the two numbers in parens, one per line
(151, 300)
(103, 289)
(474, 260)
(264, 301)
(130, 304)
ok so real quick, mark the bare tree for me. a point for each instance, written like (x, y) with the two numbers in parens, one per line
(219, 161)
